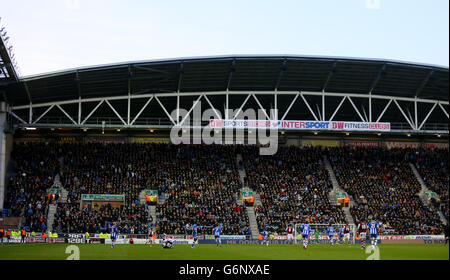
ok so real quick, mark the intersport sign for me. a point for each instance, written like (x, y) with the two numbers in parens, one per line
(300, 125)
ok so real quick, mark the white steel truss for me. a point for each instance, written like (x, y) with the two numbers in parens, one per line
(412, 122)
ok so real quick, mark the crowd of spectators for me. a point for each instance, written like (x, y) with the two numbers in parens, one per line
(35, 167)
(69, 218)
(293, 186)
(98, 168)
(384, 188)
(200, 184)
(432, 165)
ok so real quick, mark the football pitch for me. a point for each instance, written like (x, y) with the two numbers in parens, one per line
(226, 252)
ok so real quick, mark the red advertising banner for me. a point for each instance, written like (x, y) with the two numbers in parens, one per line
(402, 145)
(280, 237)
(436, 145)
(360, 144)
(55, 240)
(392, 237)
(301, 125)
(285, 237)
(36, 240)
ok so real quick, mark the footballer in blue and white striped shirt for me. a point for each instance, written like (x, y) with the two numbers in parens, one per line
(217, 231)
(266, 237)
(331, 233)
(373, 232)
(114, 232)
(305, 228)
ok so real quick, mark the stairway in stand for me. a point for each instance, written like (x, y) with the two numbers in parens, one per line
(250, 209)
(337, 188)
(423, 191)
(51, 217)
(253, 223)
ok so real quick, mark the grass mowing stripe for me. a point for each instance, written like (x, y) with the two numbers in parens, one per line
(227, 252)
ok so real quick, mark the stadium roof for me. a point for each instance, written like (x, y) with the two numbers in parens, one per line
(7, 71)
(411, 96)
(237, 73)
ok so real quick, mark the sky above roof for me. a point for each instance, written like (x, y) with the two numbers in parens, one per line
(52, 35)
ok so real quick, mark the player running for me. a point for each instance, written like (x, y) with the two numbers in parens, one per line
(362, 229)
(194, 235)
(305, 234)
(341, 235)
(290, 233)
(114, 232)
(373, 230)
(266, 238)
(151, 233)
(217, 231)
(347, 234)
(331, 233)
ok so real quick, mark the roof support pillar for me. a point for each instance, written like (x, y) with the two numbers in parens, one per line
(79, 110)
(30, 114)
(318, 111)
(323, 105)
(178, 107)
(416, 123)
(276, 101)
(226, 106)
(364, 112)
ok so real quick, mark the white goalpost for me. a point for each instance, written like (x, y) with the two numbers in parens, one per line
(323, 237)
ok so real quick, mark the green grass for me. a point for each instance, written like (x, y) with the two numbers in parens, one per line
(227, 252)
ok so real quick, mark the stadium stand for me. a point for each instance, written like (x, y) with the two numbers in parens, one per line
(383, 186)
(97, 168)
(432, 165)
(36, 166)
(293, 186)
(198, 182)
